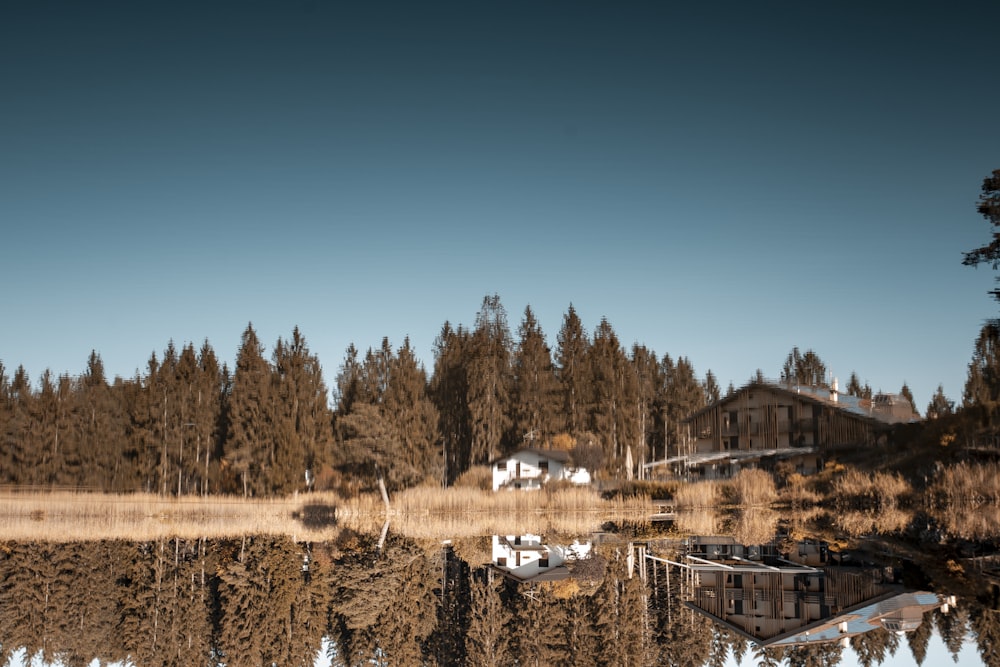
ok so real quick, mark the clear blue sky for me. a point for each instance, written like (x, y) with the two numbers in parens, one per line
(722, 183)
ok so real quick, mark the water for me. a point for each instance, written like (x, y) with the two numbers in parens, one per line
(630, 595)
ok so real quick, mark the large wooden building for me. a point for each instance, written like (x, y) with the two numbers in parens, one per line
(767, 422)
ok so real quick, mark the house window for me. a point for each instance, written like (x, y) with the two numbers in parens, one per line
(502, 561)
(544, 467)
(543, 562)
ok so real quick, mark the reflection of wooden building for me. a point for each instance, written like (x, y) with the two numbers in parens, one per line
(770, 599)
(764, 423)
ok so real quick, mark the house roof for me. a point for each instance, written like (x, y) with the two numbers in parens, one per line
(550, 454)
(557, 573)
(860, 618)
(869, 409)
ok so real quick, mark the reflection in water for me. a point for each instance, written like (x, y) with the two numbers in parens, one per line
(509, 599)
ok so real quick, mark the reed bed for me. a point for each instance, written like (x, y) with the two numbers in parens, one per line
(970, 521)
(423, 500)
(755, 525)
(64, 516)
(753, 488)
(700, 521)
(967, 482)
(418, 513)
(886, 520)
(699, 494)
(879, 489)
(463, 512)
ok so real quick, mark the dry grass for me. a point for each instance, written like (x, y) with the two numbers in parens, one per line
(756, 525)
(426, 513)
(967, 482)
(699, 494)
(753, 488)
(68, 516)
(701, 521)
(878, 489)
(468, 512)
(970, 521)
(886, 520)
(798, 492)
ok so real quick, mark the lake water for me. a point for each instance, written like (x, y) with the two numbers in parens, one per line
(635, 594)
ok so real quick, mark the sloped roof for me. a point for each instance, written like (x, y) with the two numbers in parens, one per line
(550, 454)
(853, 405)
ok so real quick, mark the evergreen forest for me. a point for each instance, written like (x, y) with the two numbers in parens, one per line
(271, 426)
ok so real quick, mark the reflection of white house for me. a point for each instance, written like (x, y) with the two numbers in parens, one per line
(525, 558)
(530, 468)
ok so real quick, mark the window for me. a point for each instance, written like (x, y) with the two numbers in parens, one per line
(502, 561)
(544, 561)
(544, 467)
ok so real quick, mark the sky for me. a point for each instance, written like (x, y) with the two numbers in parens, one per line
(722, 182)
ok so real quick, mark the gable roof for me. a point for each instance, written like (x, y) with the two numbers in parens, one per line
(867, 409)
(557, 455)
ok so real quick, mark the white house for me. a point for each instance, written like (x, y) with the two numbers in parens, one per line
(525, 558)
(531, 468)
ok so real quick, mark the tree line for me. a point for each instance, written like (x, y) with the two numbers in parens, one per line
(190, 425)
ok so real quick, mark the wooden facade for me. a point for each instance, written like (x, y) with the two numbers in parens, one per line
(764, 421)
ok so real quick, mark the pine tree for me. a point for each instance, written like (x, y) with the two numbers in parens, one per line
(989, 207)
(681, 395)
(534, 408)
(100, 427)
(573, 372)
(711, 386)
(249, 447)
(982, 386)
(412, 417)
(613, 394)
(940, 405)
(16, 415)
(646, 368)
(449, 390)
(489, 381)
(805, 369)
(855, 388)
(908, 395)
(303, 419)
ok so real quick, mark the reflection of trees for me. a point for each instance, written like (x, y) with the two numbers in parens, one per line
(919, 639)
(445, 647)
(487, 641)
(871, 647)
(393, 595)
(59, 601)
(827, 654)
(271, 612)
(537, 622)
(985, 624)
(952, 628)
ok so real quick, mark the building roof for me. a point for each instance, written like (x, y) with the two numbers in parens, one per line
(882, 408)
(732, 455)
(550, 454)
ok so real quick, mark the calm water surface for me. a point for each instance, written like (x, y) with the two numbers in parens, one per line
(747, 590)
